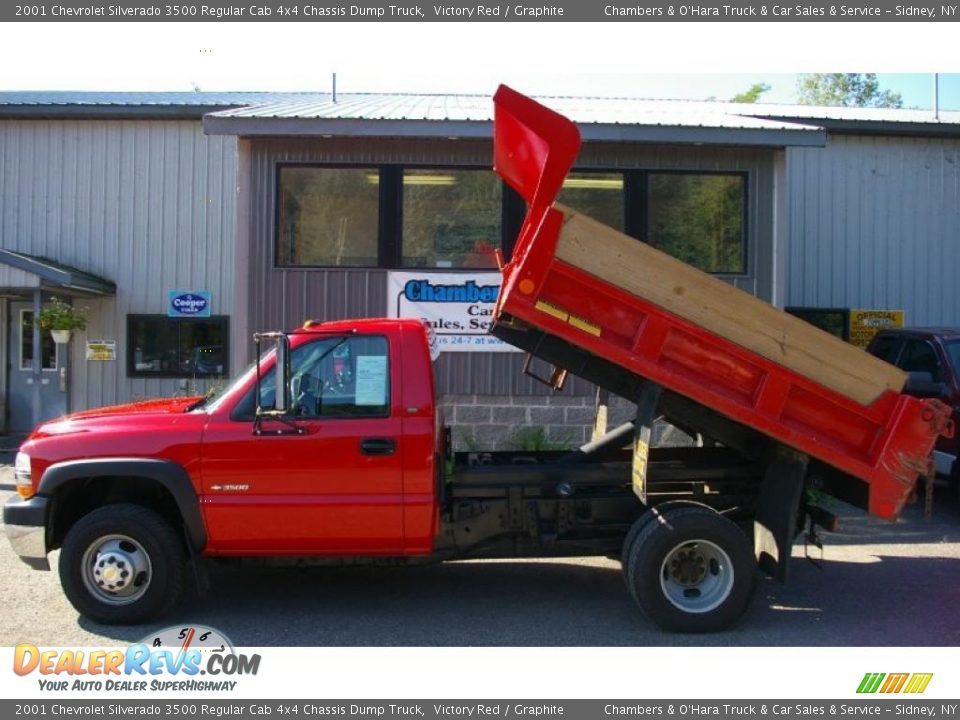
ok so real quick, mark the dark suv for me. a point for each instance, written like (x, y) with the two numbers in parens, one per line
(932, 357)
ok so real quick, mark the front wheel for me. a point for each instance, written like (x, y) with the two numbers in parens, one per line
(692, 571)
(122, 564)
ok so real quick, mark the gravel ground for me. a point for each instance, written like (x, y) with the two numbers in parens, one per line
(880, 584)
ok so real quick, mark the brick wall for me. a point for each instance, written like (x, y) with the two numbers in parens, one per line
(486, 422)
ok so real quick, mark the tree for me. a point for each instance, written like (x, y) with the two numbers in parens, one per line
(751, 95)
(845, 90)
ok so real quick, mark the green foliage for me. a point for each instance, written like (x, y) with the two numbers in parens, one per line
(751, 95)
(60, 315)
(469, 441)
(699, 219)
(534, 439)
(845, 90)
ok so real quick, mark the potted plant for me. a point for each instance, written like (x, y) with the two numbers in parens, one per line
(61, 318)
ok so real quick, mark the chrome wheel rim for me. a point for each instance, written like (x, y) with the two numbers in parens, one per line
(116, 569)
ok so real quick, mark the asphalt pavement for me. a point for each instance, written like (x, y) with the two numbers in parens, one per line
(879, 583)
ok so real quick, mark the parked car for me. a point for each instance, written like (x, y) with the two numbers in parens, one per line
(932, 357)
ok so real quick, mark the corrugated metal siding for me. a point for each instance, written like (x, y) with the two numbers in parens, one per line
(874, 222)
(150, 205)
(282, 298)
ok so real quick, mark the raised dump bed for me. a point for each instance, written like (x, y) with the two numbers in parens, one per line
(618, 311)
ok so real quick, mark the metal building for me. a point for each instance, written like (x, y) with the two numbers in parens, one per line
(127, 203)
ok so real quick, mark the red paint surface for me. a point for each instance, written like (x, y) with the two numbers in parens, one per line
(884, 444)
(309, 494)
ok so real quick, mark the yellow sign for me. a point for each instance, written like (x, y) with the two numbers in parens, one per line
(864, 324)
(101, 349)
(641, 453)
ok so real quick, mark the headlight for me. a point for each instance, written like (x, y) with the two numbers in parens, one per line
(23, 475)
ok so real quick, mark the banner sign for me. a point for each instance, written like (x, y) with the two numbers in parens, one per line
(458, 307)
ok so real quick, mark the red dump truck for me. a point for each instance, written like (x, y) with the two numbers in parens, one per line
(331, 449)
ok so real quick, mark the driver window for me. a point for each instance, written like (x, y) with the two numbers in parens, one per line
(341, 377)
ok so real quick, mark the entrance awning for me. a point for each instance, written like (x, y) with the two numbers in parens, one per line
(19, 271)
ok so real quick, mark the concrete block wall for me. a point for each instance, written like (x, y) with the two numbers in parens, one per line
(527, 422)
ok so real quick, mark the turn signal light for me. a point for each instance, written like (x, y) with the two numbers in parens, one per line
(23, 475)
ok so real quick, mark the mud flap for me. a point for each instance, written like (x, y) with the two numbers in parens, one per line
(775, 524)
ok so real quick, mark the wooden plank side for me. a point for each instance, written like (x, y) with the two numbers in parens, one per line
(717, 306)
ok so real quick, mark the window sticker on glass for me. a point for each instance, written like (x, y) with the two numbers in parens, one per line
(371, 380)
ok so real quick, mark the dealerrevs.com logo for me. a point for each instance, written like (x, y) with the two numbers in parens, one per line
(894, 682)
(178, 658)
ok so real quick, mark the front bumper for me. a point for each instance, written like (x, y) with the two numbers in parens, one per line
(26, 525)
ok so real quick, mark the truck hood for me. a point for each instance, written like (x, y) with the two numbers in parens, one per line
(159, 405)
(147, 413)
(151, 429)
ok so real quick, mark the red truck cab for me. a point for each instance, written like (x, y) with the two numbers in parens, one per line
(350, 468)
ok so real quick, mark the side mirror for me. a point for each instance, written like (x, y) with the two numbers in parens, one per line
(282, 370)
(921, 384)
(281, 397)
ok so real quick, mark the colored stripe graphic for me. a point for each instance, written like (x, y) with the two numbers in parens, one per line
(918, 683)
(870, 682)
(894, 682)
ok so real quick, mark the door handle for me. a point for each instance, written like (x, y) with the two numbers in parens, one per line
(378, 446)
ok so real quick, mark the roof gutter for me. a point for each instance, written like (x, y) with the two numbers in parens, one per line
(803, 135)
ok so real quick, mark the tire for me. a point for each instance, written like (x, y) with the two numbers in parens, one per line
(693, 571)
(111, 541)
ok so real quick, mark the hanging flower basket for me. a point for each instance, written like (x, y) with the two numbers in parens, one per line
(61, 319)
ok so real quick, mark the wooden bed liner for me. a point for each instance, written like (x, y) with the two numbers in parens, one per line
(719, 307)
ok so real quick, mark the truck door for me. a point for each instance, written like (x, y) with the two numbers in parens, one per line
(327, 480)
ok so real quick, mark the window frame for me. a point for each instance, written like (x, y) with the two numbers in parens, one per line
(132, 372)
(744, 175)
(512, 208)
(398, 257)
(244, 410)
(20, 355)
(374, 167)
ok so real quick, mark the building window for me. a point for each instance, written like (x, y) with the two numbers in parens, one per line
(835, 321)
(451, 218)
(159, 346)
(328, 216)
(699, 219)
(391, 216)
(48, 348)
(599, 195)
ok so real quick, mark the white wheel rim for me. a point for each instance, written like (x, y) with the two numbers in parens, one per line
(696, 576)
(116, 569)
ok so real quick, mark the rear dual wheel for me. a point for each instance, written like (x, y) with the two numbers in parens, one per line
(689, 568)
